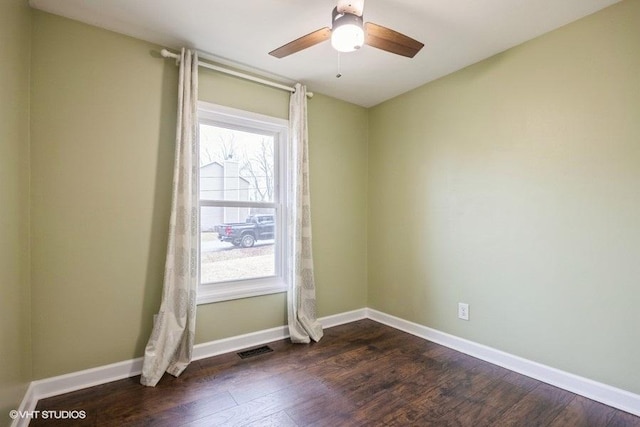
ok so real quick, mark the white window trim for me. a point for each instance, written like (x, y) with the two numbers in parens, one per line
(215, 114)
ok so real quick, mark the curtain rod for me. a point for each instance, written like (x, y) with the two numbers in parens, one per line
(167, 54)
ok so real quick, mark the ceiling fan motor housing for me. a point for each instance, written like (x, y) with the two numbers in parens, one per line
(350, 6)
(347, 33)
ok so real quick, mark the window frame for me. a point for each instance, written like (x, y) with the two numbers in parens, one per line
(232, 118)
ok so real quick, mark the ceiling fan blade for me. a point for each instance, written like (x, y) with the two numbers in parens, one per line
(390, 40)
(303, 42)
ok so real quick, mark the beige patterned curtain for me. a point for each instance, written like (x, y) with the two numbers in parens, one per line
(171, 343)
(301, 298)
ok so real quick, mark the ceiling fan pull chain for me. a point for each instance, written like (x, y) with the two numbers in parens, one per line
(339, 74)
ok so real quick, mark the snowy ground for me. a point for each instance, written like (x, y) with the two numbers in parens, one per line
(222, 261)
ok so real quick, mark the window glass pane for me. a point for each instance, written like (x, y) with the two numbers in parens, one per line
(236, 165)
(236, 243)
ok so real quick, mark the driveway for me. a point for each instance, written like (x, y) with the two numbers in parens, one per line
(215, 245)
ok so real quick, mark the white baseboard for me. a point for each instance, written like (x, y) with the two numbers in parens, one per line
(343, 318)
(615, 397)
(54, 386)
(28, 404)
(229, 345)
(606, 394)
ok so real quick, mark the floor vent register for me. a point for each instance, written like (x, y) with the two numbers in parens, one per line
(255, 352)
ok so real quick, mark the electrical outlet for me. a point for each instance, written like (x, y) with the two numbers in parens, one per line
(463, 311)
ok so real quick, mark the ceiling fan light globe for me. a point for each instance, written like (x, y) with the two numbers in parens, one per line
(347, 38)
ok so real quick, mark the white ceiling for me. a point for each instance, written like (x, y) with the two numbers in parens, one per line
(456, 33)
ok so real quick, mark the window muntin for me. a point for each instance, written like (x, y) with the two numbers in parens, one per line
(242, 173)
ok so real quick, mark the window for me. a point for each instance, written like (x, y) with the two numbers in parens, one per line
(242, 204)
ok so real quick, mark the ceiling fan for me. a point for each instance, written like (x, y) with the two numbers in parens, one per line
(348, 33)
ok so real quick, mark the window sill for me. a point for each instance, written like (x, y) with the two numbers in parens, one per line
(218, 292)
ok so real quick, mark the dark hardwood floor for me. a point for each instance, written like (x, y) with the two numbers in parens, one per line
(360, 374)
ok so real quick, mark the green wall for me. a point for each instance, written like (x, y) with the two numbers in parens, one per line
(15, 354)
(513, 185)
(510, 185)
(103, 127)
(338, 135)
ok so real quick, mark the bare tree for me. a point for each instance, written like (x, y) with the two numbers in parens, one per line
(206, 157)
(226, 149)
(256, 166)
(258, 169)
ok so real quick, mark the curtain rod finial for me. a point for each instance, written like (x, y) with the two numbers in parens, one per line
(168, 54)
